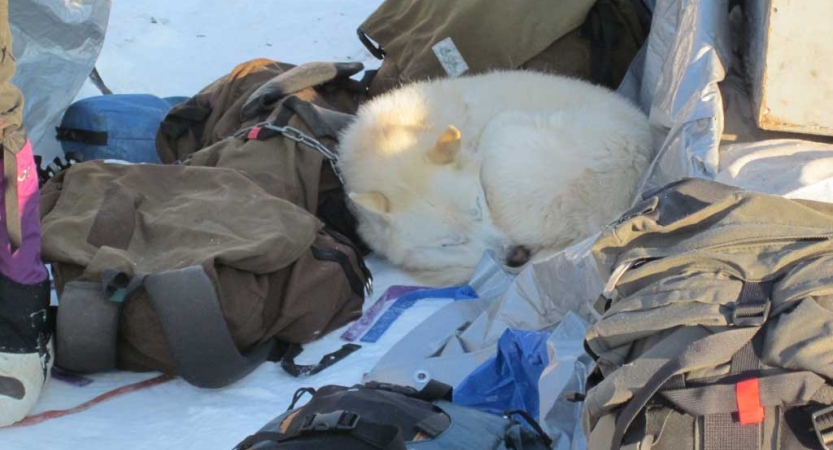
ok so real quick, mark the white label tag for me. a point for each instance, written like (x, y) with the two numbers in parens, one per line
(450, 58)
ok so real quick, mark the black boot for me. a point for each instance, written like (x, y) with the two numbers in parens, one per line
(26, 348)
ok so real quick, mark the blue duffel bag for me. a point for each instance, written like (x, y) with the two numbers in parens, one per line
(117, 126)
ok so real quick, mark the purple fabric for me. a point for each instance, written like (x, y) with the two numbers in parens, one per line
(360, 326)
(24, 264)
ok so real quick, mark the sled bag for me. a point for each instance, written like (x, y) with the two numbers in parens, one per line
(195, 271)
(119, 126)
(387, 417)
(418, 40)
(717, 323)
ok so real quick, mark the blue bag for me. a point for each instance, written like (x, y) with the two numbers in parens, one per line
(118, 126)
(509, 381)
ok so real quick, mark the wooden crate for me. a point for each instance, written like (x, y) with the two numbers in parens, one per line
(789, 61)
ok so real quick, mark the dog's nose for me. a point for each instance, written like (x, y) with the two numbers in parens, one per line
(518, 256)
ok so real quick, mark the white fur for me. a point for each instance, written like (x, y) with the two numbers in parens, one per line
(543, 161)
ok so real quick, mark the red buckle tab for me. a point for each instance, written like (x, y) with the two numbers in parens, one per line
(750, 409)
(253, 133)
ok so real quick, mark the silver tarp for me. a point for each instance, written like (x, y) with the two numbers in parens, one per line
(56, 44)
(689, 79)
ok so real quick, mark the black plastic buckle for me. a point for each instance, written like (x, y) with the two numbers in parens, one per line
(823, 425)
(751, 314)
(334, 421)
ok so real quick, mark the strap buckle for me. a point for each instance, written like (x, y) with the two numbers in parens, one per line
(751, 314)
(334, 421)
(823, 426)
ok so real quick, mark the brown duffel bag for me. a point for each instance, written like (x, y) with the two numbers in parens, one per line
(196, 271)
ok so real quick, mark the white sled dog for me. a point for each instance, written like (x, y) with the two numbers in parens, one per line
(509, 161)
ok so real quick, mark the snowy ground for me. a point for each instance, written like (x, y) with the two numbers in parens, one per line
(176, 48)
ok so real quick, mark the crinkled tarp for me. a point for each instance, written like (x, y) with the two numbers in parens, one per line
(679, 78)
(56, 44)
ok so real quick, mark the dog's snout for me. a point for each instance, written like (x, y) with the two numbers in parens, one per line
(517, 256)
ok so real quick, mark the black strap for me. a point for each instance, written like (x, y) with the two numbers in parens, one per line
(532, 422)
(296, 370)
(83, 136)
(376, 435)
(346, 241)
(373, 49)
(297, 396)
(322, 122)
(432, 391)
(605, 32)
(333, 255)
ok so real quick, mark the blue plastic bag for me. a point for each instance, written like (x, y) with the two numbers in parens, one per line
(118, 126)
(509, 381)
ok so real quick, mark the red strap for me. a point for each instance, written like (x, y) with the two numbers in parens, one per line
(253, 133)
(750, 409)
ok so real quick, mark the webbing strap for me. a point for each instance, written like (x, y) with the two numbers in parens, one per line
(745, 360)
(195, 329)
(88, 137)
(773, 390)
(297, 370)
(722, 432)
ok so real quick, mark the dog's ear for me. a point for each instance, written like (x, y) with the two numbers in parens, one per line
(374, 202)
(447, 146)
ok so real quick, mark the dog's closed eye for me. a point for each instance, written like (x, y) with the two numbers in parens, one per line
(454, 241)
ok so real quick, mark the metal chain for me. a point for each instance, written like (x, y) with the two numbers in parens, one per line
(297, 135)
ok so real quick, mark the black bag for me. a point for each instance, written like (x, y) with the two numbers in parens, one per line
(387, 417)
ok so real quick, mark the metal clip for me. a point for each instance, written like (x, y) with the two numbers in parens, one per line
(823, 426)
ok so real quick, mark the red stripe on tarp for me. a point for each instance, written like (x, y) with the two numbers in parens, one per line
(750, 409)
(253, 133)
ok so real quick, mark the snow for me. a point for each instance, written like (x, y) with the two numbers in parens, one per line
(176, 48)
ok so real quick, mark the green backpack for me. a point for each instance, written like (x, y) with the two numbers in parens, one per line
(717, 325)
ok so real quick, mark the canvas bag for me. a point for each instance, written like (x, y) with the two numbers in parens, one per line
(417, 40)
(390, 417)
(717, 323)
(196, 271)
(276, 122)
